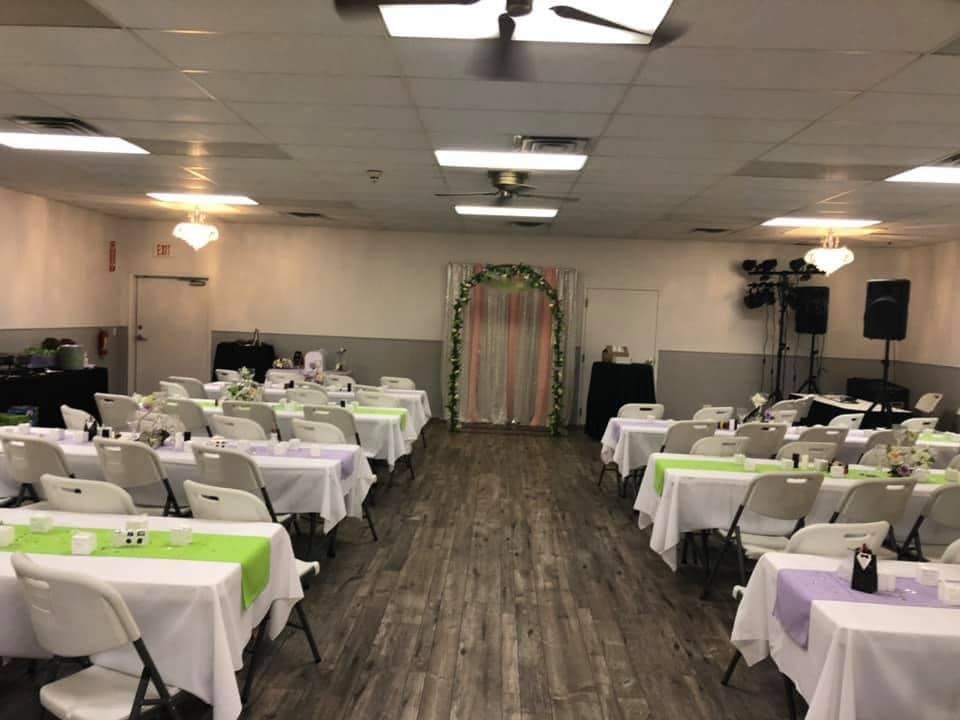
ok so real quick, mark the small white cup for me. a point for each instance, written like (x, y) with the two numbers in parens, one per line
(294, 442)
(886, 582)
(739, 458)
(83, 543)
(951, 475)
(921, 475)
(750, 465)
(178, 441)
(804, 462)
(787, 463)
(316, 451)
(926, 575)
(41, 522)
(948, 592)
(23, 428)
(181, 535)
(8, 535)
(281, 448)
(836, 471)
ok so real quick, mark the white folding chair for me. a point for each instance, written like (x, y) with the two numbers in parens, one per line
(874, 457)
(320, 433)
(835, 435)
(920, 424)
(237, 428)
(307, 385)
(74, 419)
(227, 375)
(116, 411)
(228, 468)
(372, 398)
(192, 385)
(786, 417)
(684, 433)
(951, 555)
(955, 463)
(719, 446)
(764, 438)
(191, 415)
(259, 412)
(307, 396)
(338, 382)
(874, 500)
(943, 510)
(338, 417)
(786, 405)
(129, 464)
(173, 389)
(851, 421)
(837, 539)
(279, 376)
(77, 616)
(814, 450)
(641, 411)
(215, 502)
(884, 438)
(928, 403)
(715, 414)
(86, 496)
(397, 383)
(29, 458)
(786, 496)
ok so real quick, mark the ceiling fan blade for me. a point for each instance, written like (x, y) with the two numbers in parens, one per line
(351, 9)
(467, 194)
(501, 58)
(664, 35)
(564, 198)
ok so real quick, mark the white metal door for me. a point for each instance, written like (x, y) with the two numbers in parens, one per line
(172, 333)
(616, 317)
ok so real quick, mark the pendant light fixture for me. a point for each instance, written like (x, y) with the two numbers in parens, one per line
(830, 256)
(196, 233)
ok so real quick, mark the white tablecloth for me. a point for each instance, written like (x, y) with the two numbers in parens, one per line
(707, 499)
(295, 484)
(190, 613)
(862, 661)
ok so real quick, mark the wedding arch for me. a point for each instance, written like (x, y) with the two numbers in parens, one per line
(532, 279)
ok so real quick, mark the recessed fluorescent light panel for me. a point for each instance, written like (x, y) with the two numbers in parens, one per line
(202, 199)
(490, 210)
(929, 174)
(70, 143)
(510, 160)
(820, 222)
(479, 20)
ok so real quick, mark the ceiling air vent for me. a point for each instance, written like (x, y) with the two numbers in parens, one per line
(950, 161)
(546, 144)
(711, 230)
(49, 124)
(527, 223)
(306, 215)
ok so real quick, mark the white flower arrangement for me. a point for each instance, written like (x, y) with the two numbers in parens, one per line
(758, 399)
(245, 389)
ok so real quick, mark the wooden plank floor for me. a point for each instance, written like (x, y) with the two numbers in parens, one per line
(504, 586)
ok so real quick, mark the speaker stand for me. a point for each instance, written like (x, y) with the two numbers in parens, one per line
(811, 385)
(783, 287)
(884, 401)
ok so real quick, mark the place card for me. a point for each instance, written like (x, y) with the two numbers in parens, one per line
(8, 535)
(948, 592)
(83, 543)
(181, 535)
(929, 576)
(41, 522)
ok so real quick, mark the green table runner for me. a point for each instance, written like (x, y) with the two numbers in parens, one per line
(251, 553)
(395, 412)
(938, 438)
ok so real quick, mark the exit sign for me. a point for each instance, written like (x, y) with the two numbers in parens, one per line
(163, 250)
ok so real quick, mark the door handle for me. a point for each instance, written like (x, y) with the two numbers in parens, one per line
(140, 337)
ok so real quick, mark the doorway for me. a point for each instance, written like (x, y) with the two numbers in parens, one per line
(616, 317)
(171, 330)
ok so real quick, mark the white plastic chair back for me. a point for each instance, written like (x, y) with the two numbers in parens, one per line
(212, 502)
(928, 402)
(307, 385)
(228, 468)
(375, 398)
(951, 556)
(227, 375)
(787, 417)
(237, 428)
(641, 411)
(31, 457)
(338, 382)
(306, 396)
(173, 389)
(397, 383)
(873, 500)
(814, 450)
(955, 463)
(192, 385)
(337, 416)
(86, 496)
(786, 405)
(189, 413)
(886, 438)
(683, 434)
(283, 375)
(765, 438)
(128, 464)
(73, 615)
(804, 405)
(74, 419)
(783, 496)
(321, 433)
(838, 539)
(116, 411)
(851, 421)
(714, 413)
(943, 507)
(920, 424)
(836, 435)
(877, 455)
(719, 446)
(313, 361)
(259, 412)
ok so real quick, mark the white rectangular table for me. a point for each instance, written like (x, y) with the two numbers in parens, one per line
(295, 484)
(862, 661)
(189, 612)
(706, 499)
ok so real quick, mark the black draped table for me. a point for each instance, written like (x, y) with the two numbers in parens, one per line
(48, 390)
(234, 355)
(613, 385)
(826, 407)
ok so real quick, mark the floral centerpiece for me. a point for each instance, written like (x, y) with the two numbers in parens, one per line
(244, 389)
(151, 425)
(905, 460)
(282, 363)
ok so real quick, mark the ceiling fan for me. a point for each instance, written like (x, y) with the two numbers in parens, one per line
(509, 185)
(500, 58)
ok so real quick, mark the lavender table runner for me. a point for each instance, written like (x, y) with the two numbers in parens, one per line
(343, 456)
(798, 589)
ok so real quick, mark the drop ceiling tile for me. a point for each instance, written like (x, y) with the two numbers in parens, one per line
(118, 82)
(540, 97)
(769, 69)
(335, 90)
(930, 74)
(674, 157)
(275, 53)
(736, 152)
(901, 108)
(22, 104)
(92, 107)
(548, 62)
(522, 123)
(346, 137)
(369, 157)
(856, 155)
(76, 46)
(698, 129)
(851, 132)
(185, 131)
(53, 13)
(319, 117)
(733, 103)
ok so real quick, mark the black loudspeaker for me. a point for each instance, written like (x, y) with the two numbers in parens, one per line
(885, 314)
(812, 304)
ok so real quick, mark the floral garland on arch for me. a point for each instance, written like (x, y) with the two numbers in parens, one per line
(534, 280)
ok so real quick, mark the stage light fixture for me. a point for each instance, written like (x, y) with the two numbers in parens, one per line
(768, 266)
(749, 265)
(797, 264)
